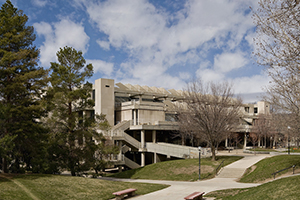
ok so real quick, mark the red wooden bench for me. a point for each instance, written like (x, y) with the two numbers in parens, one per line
(121, 194)
(195, 196)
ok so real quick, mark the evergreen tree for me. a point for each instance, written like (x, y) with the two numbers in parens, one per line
(21, 89)
(72, 120)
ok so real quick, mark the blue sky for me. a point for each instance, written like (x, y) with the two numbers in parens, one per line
(162, 43)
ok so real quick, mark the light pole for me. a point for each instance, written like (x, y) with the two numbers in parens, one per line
(288, 140)
(199, 148)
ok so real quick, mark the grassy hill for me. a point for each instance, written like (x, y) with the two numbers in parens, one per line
(28, 187)
(262, 171)
(179, 170)
(285, 188)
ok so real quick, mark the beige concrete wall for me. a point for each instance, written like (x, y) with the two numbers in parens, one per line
(146, 116)
(105, 99)
(263, 107)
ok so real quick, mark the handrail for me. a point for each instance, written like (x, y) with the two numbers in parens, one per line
(293, 166)
(219, 167)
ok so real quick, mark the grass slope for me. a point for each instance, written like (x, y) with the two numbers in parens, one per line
(179, 170)
(285, 188)
(66, 187)
(263, 170)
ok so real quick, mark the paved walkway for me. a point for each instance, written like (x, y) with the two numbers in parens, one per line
(225, 180)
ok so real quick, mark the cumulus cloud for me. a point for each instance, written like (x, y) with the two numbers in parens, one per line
(227, 62)
(156, 41)
(58, 35)
(39, 3)
(101, 66)
(252, 84)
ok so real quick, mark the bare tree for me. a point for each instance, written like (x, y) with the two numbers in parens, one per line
(212, 111)
(263, 127)
(278, 48)
(254, 139)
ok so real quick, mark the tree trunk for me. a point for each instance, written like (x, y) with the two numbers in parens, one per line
(4, 165)
(213, 153)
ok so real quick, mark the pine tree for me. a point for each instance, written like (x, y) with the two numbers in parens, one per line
(21, 89)
(72, 120)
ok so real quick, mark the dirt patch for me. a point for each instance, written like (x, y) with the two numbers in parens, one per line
(193, 169)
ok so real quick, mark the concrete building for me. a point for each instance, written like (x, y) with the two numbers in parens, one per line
(143, 121)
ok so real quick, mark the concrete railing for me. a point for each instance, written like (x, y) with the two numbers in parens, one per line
(121, 135)
(131, 164)
(178, 151)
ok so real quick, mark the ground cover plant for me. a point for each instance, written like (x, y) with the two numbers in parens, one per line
(262, 171)
(36, 186)
(285, 188)
(264, 150)
(178, 170)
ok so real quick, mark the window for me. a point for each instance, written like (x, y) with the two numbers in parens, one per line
(106, 85)
(255, 110)
(247, 109)
(93, 95)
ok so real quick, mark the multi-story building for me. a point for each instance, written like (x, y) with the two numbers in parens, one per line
(143, 121)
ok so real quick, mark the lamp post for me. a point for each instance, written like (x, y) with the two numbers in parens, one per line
(199, 148)
(288, 140)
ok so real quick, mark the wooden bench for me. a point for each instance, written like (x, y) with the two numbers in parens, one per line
(195, 196)
(121, 194)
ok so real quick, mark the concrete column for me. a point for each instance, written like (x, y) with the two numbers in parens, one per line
(143, 138)
(134, 117)
(245, 140)
(120, 152)
(258, 143)
(143, 159)
(226, 142)
(154, 136)
(155, 158)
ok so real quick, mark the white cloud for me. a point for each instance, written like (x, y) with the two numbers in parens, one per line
(208, 75)
(252, 84)
(227, 62)
(103, 44)
(156, 41)
(58, 35)
(39, 3)
(101, 66)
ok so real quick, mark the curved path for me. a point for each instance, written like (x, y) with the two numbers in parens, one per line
(179, 189)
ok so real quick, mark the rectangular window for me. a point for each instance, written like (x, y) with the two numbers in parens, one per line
(93, 95)
(255, 110)
(247, 109)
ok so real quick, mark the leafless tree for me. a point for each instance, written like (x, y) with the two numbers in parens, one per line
(254, 139)
(212, 111)
(278, 48)
(264, 127)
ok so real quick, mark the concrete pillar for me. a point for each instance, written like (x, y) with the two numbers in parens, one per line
(154, 136)
(143, 138)
(143, 159)
(258, 143)
(120, 152)
(226, 142)
(155, 158)
(245, 140)
(134, 117)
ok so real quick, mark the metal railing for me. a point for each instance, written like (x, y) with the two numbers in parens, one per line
(293, 166)
(220, 165)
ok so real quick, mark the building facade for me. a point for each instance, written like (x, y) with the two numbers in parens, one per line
(143, 121)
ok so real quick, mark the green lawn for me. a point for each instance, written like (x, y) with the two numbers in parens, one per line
(263, 170)
(179, 170)
(46, 187)
(285, 188)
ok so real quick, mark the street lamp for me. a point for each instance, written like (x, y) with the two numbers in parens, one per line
(199, 148)
(288, 140)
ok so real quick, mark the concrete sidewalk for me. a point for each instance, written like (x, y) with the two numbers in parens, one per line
(180, 189)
